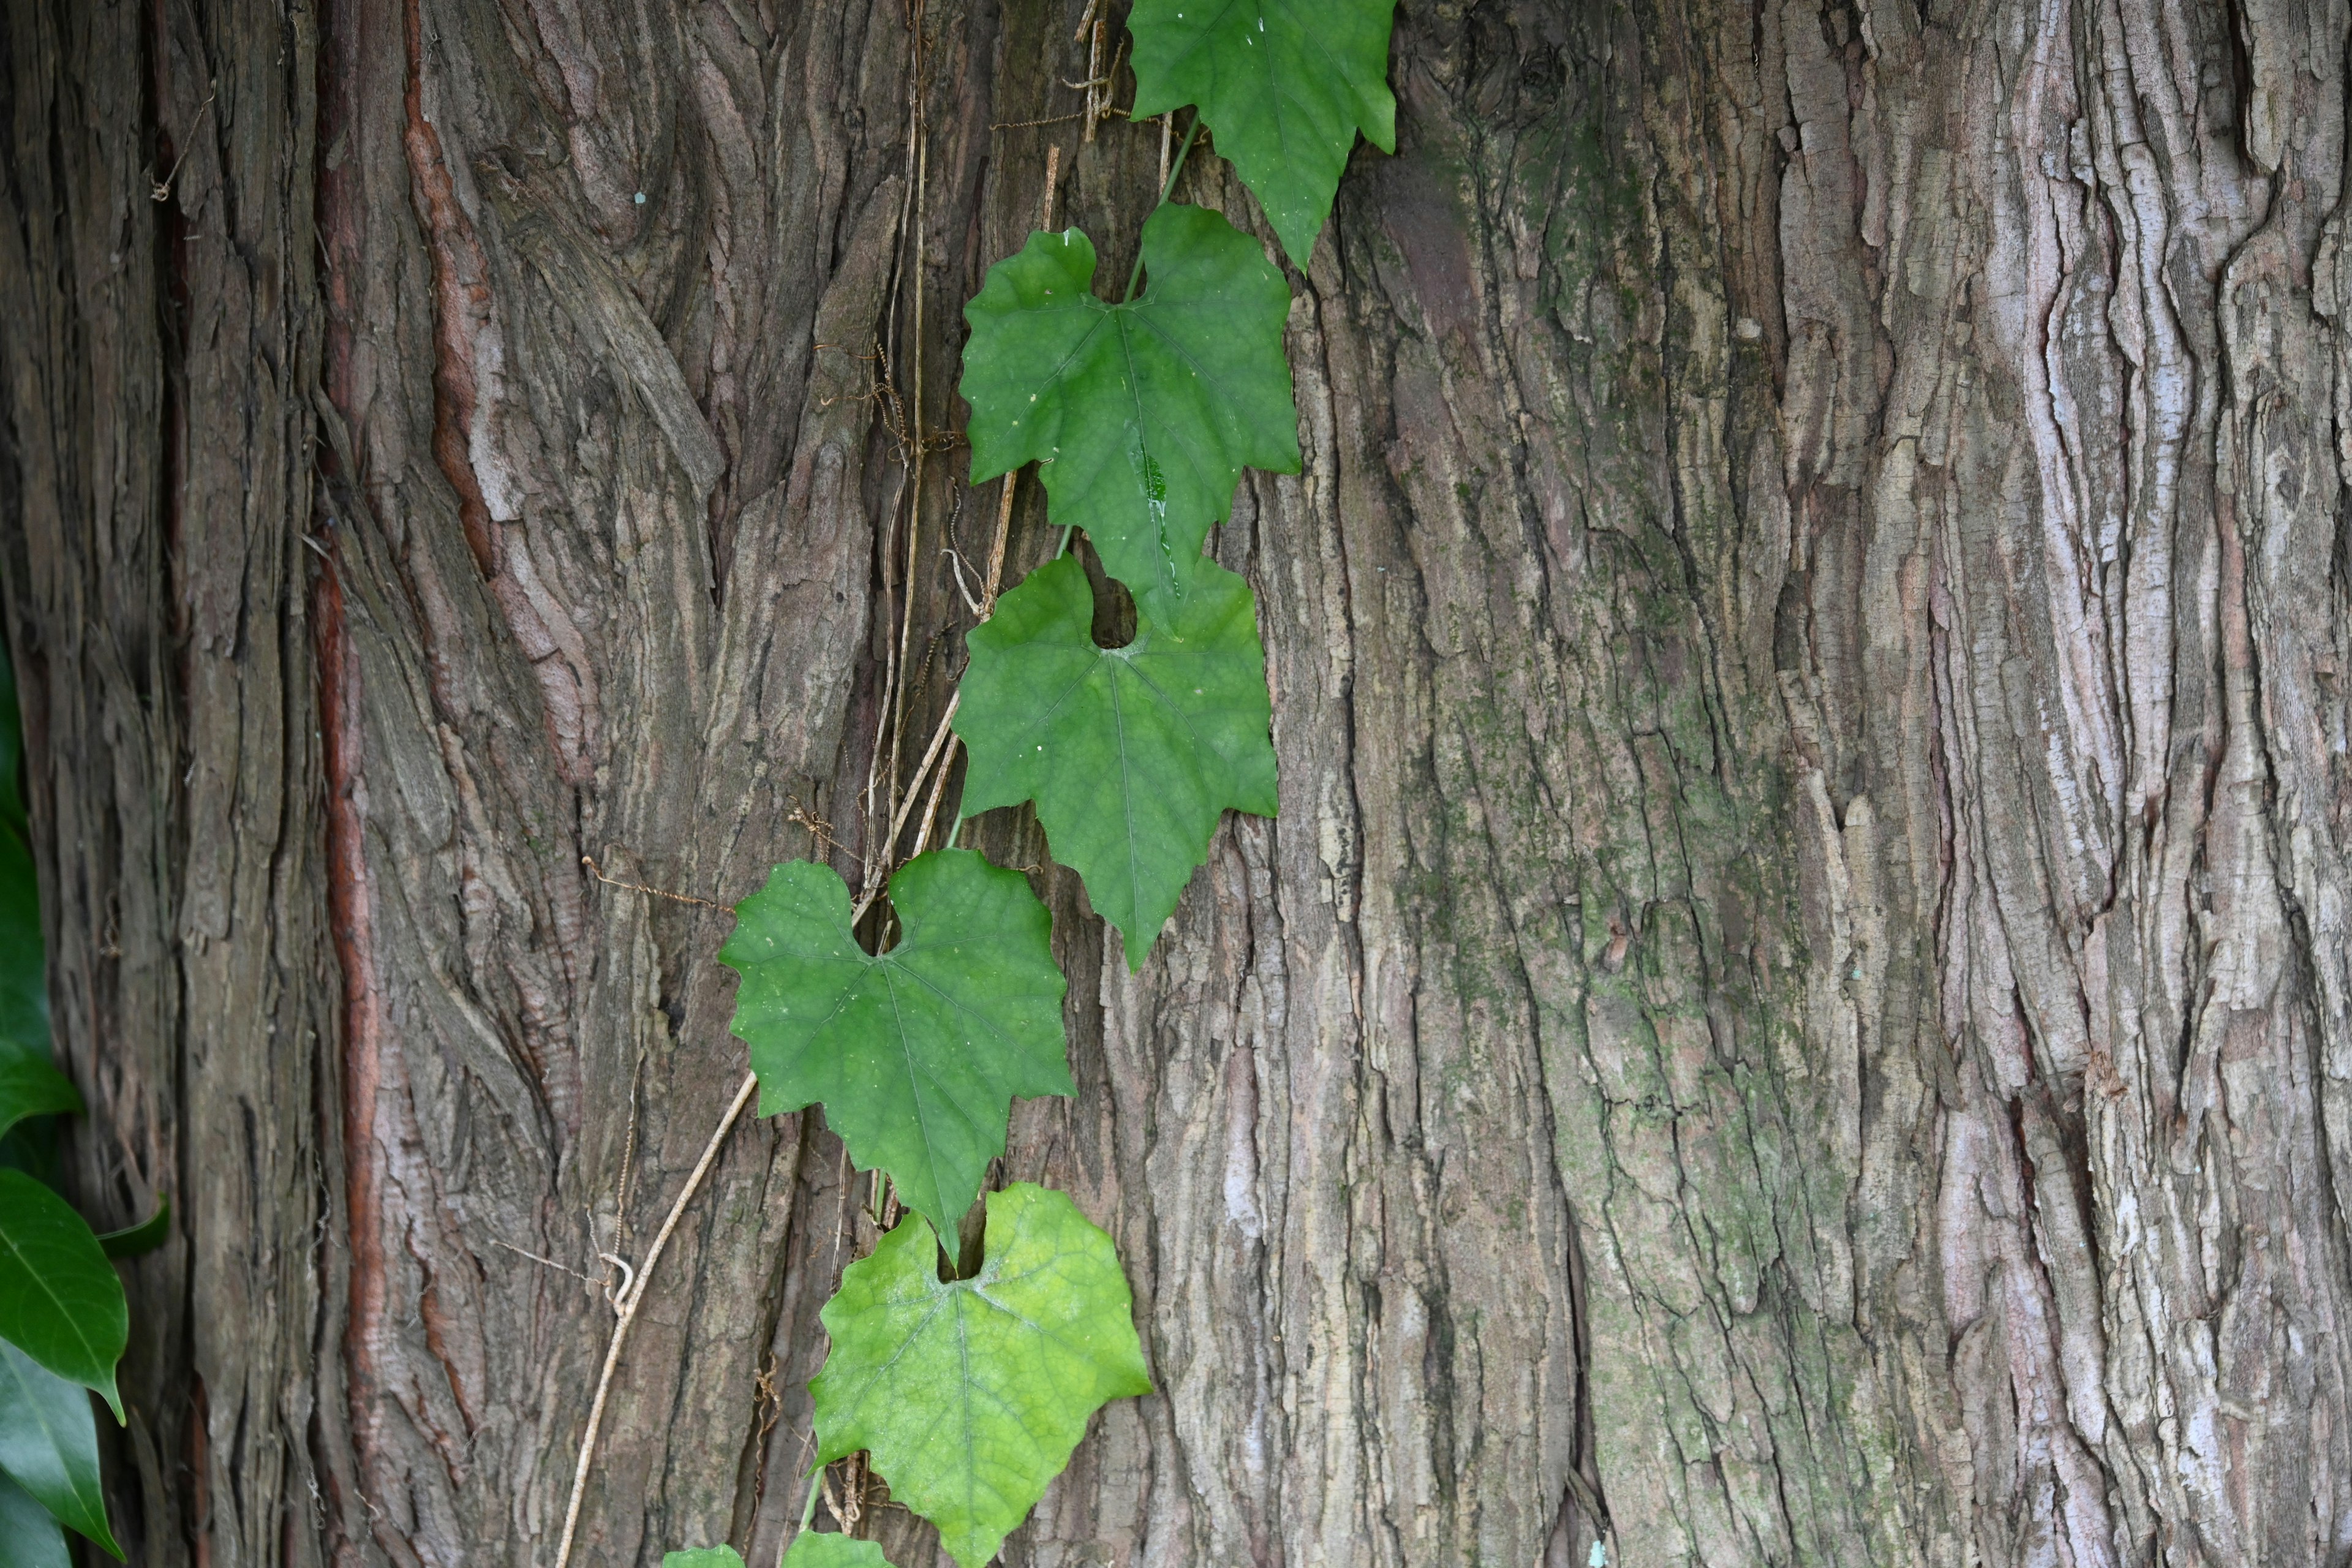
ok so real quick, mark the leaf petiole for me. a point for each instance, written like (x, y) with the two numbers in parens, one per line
(1135, 274)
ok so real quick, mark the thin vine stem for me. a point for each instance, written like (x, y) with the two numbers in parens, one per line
(1135, 275)
(626, 1304)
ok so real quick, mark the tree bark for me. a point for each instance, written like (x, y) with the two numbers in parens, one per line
(1797, 1009)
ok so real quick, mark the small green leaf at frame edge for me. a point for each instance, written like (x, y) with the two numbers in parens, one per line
(703, 1557)
(139, 1240)
(30, 1087)
(48, 1445)
(969, 1396)
(917, 1053)
(1132, 754)
(60, 1302)
(1142, 415)
(34, 1539)
(811, 1550)
(1283, 84)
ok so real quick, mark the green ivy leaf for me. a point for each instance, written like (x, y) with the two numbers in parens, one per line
(61, 1303)
(916, 1053)
(703, 1557)
(34, 1539)
(811, 1550)
(1143, 414)
(1133, 754)
(48, 1444)
(1285, 84)
(31, 1087)
(969, 1394)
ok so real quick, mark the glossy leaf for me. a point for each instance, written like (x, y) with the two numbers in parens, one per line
(1132, 754)
(48, 1444)
(811, 1550)
(703, 1557)
(34, 1539)
(61, 1303)
(916, 1053)
(969, 1394)
(31, 1087)
(1142, 415)
(1285, 85)
(138, 1240)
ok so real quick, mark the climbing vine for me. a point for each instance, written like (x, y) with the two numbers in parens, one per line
(968, 1394)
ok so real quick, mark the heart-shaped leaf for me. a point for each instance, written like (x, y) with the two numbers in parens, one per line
(48, 1444)
(34, 1539)
(61, 1303)
(1285, 84)
(1132, 754)
(31, 1087)
(969, 1394)
(916, 1053)
(1142, 415)
(703, 1557)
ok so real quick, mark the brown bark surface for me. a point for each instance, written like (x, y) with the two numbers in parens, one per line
(1797, 1010)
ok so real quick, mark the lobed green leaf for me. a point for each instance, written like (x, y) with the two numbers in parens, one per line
(969, 1394)
(1142, 415)
(48, 1445)
(60, 1300)
(811, 1550)
(918, 1053)
(1132, 754)
(1285, 84)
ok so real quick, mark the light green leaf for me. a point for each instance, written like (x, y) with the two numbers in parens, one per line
(1132, 754)
(969, 1396)
(916, 1053)
(48, 1444)
(61, 1303)
(703, 1557)
(1285, 84)
(34, 1539)
(31, 1087)
(1142, 415)
(811, 1550)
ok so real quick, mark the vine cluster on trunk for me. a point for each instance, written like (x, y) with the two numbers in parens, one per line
(968, 1392)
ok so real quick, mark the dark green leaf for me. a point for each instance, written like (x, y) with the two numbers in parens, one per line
(811, 1550)
(1142, 415)
(916, 1053)
(48, 1444)
(969, 1394)
(23, 980)
(1285, 84)
(12, 748)
(61, 1303)
(138, 1240)
(34, 1539)
(31, 1087)
(1132, 754)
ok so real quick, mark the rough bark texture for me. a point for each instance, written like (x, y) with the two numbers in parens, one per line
(1797, 1009)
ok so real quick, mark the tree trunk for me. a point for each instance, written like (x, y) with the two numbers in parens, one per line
(1797, 1009)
